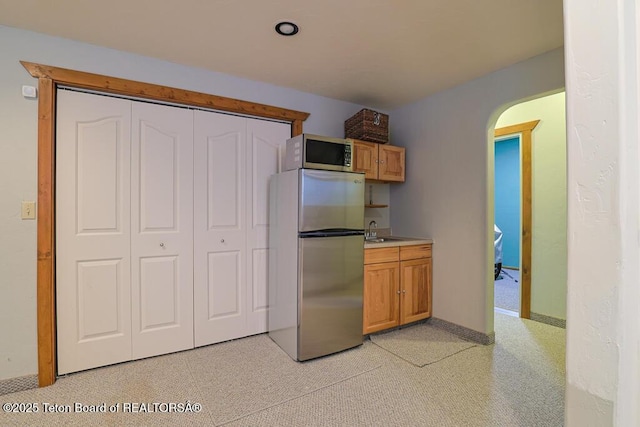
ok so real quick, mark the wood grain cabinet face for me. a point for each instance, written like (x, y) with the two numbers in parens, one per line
(365, 159)
(397, 286)
(415, 276)
(391, 163)
(382, 282)
(379, 162)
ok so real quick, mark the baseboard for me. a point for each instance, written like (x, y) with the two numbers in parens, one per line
(553, 321)
(466, 333)
(13, 385)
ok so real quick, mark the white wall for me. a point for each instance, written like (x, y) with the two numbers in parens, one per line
(603, 320)
(449, 140)
(18, 156)
(549, 200)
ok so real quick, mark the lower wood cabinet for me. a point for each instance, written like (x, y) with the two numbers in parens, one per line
(397, 286)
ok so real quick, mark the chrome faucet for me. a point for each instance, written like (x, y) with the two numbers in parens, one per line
(372, 234)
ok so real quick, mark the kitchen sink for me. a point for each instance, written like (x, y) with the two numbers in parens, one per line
(384, 239)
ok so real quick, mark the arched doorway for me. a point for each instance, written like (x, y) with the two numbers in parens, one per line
(540, 125)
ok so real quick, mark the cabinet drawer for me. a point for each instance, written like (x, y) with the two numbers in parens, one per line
(416, 251)
(372, 256)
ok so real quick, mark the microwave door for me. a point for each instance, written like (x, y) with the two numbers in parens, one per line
(330, 200)
(326, 154)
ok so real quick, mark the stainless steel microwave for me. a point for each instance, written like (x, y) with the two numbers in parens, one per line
(318, 152)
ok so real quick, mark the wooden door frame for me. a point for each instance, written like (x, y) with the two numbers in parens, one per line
(49, 78)
(524, 130)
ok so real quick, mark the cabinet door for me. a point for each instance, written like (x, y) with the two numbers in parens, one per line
(415, 284)
(161, 229)
(391, 163)
(381, 298)
(93, 285)
(365, 159)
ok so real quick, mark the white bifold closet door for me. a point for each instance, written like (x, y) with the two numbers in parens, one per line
(161, 229)
(233, 160)
(265, 140)
(93, 273)
(219, 227)
(124, 230)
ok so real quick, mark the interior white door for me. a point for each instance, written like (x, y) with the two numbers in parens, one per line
(162, 229)
(220, 227)
(265, 139)
(92, 231)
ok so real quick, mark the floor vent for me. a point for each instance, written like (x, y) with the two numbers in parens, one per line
(13, 385)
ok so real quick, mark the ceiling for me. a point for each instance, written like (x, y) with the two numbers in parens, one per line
(378, 53)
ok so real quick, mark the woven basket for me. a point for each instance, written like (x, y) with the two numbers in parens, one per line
(368, 125)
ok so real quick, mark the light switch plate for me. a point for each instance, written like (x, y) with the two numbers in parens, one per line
(28, 210)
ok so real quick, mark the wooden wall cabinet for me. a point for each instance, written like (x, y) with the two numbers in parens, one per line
(397, 286)
(379, 162)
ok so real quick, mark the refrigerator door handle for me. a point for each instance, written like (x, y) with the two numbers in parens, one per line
(330, 233)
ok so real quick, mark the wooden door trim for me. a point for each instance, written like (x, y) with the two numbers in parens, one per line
(49, 78)
(525, 130)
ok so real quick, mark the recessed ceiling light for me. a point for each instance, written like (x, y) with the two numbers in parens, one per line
(286, 28)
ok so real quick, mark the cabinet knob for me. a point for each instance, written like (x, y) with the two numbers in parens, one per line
(404, 291)
(398, 292)
(221, 240)
(162, 245)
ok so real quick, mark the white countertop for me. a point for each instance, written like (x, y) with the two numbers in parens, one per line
(397, 241)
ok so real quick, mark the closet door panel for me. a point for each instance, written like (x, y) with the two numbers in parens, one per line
(99, 195)
(92, 231)
(224, 183)
(159, 180)
(159, 290)
(162, 229)
(220, 227)
(266, 139)
(224, 300)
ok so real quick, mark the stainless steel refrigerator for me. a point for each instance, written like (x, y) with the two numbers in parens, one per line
(316, 257)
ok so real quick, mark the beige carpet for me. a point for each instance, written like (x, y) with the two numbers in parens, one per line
(519, 381)
(264, 376)
(421, 344)
(507, 290)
